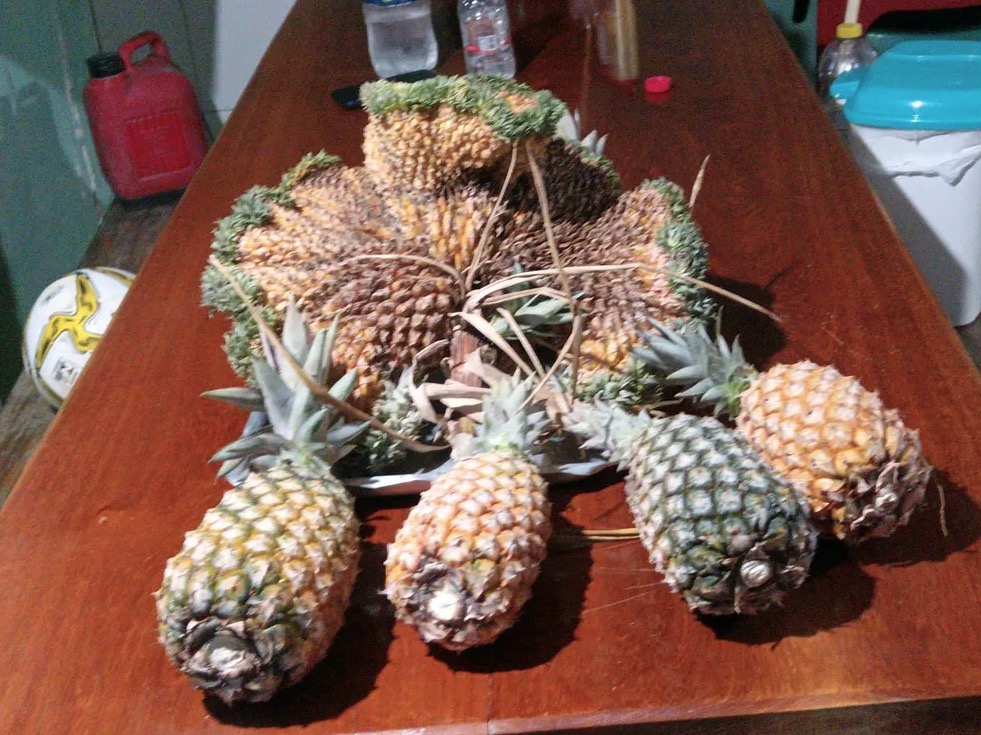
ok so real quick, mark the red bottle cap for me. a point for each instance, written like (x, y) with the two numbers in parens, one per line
(656, 85)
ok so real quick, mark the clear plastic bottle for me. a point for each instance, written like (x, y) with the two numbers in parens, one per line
(486, 33)
(850, 50)
(400, 36)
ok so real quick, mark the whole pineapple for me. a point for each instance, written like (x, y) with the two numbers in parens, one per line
(860, 467)
(258, 591)
(464, 562)
(727, 534)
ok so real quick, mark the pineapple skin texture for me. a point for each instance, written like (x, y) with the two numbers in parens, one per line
(258, 591)
(443, 144)
(464, 562)
(635, 226)
(860, 467)
(436, 153)
(727, 534)
(391, 309)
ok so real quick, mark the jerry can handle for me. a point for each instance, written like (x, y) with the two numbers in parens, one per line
(155, 40)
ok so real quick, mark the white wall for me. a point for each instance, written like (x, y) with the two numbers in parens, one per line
(243, 30)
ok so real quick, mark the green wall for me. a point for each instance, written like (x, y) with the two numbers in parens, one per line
(802, 37)
(52, 194)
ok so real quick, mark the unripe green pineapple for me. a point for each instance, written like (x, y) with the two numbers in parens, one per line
(464, 562)
(861, 468)
(258, 591)
(727, 534)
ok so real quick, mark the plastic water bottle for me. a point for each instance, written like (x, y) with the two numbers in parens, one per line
(850, 50)
(400, 36)
(486, 33)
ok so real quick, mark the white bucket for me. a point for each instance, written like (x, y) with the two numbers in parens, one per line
(930, 185)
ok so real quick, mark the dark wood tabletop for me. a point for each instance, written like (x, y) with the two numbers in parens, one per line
(881, 639)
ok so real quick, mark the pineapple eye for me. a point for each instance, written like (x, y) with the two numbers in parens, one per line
(756, 573)
(446, 605)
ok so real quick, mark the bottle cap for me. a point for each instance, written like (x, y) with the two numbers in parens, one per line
(657, 85)
(105, 65)
(848, 30)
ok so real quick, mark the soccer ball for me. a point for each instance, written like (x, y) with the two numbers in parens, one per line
(66, 324)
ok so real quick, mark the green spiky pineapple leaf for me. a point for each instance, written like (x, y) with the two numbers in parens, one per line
(251, 446)
(276, 395)
(710, 371)
(248, 399)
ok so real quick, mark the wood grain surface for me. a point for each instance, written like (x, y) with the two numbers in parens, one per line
(881, 639)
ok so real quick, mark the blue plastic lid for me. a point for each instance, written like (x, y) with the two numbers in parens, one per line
(916, 85)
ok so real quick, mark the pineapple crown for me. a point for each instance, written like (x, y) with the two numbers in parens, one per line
(479, 94)
(607, 427)
(377, 451)
(298, 430)
(513, 419)
(569, 128)
(635, 385)
(589, 147)
(534, 314)
(714, 372)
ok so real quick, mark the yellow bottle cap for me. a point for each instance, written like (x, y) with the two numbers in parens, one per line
(848, 30)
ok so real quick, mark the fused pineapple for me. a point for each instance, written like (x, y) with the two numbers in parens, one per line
(387, 246)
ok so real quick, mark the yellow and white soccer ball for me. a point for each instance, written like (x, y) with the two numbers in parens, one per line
(66, 324)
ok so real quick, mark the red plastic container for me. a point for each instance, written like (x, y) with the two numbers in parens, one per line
(145, 120)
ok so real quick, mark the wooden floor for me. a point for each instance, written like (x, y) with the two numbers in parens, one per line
(124, 240)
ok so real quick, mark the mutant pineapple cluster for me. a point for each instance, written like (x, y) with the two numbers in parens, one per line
(386, 245)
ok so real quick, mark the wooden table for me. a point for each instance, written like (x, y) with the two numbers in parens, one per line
(882, 639)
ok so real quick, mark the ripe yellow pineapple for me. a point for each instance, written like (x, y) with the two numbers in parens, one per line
(464, 562)
(258, 591)
(728, 534)
(860, 467)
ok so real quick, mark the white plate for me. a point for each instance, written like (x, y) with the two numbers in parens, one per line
(558, 467)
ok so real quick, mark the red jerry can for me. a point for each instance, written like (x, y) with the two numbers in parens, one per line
(145, 120)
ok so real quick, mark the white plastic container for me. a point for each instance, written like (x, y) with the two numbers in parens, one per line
(915, 118)
(928, 184)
